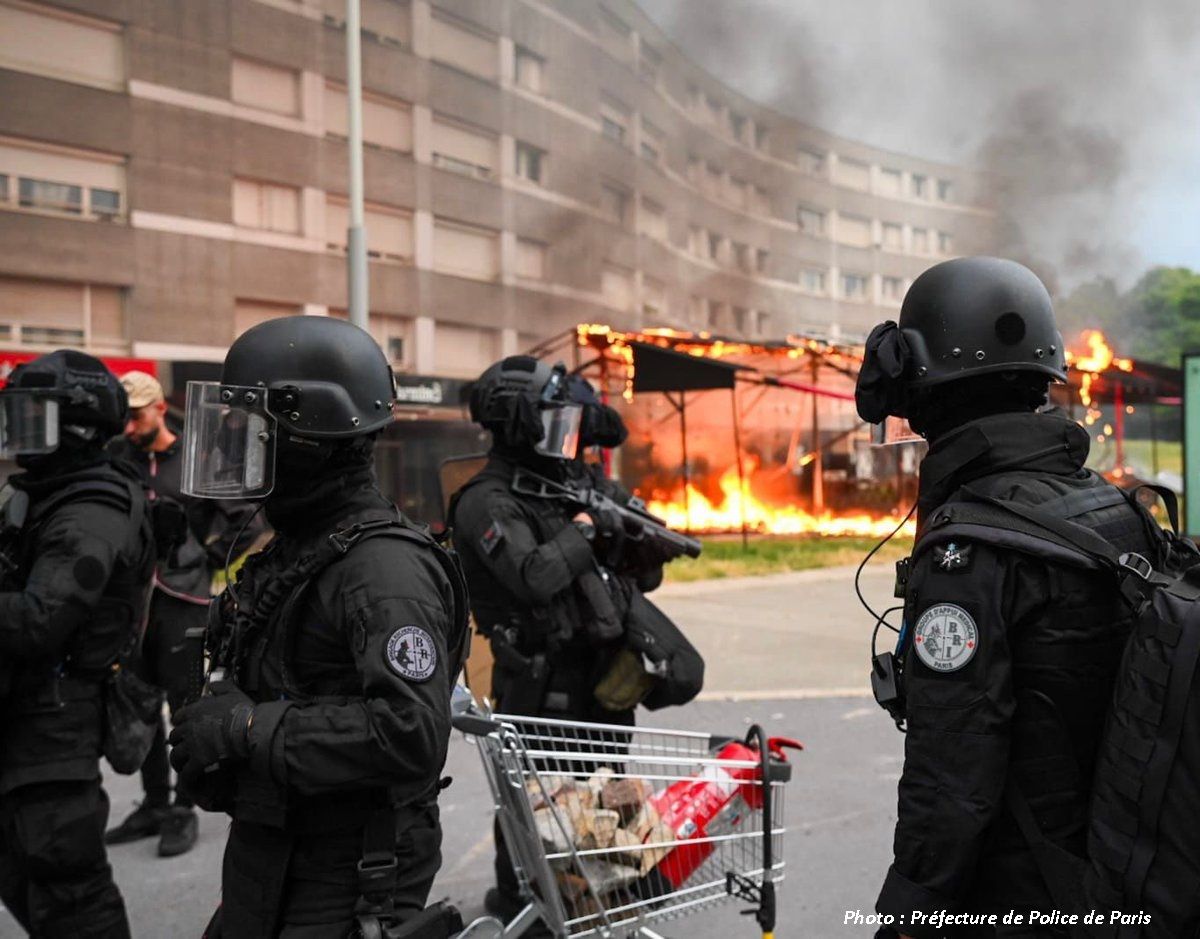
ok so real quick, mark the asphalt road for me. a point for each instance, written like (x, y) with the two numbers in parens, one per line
(786, 651)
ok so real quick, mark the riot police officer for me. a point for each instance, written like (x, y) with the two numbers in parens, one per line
(552, 586)
(338, 644)
(78, 560)
(195, 538)
(1011, 642)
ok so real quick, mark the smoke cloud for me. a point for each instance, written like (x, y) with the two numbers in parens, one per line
(1075, 111)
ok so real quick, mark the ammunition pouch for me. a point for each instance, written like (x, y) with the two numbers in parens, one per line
(626, 684)
(527, 695)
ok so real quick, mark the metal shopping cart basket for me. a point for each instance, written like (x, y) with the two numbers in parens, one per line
(614, 829)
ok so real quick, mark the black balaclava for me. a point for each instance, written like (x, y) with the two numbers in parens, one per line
(313, 479)
(935, 411)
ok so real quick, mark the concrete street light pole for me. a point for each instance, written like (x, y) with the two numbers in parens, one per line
(356, 235)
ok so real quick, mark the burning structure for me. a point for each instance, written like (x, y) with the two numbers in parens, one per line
(729, 435)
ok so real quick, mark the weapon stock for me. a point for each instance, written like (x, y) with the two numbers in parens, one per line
(639, 522)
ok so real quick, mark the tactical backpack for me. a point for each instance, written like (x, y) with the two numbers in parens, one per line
(1144, 820)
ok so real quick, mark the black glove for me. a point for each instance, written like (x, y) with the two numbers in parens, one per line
(610, 535)
(211, 734)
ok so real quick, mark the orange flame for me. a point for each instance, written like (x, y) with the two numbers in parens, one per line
(726, 516)
(1099, 356)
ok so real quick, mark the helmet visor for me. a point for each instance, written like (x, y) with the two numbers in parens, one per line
(228, 442)
(28, 423)
(560, 432)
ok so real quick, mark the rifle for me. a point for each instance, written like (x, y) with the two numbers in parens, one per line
(639, 523)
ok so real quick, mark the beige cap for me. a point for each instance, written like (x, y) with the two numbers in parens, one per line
(142, 389)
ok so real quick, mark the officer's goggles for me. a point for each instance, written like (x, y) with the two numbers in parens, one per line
(229, 438)
(29, 422)
(560, 431)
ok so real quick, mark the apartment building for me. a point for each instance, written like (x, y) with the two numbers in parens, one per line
(172, 173)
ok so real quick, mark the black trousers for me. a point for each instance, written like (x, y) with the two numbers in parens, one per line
(54, 873)
(164, 662)
(280, 883)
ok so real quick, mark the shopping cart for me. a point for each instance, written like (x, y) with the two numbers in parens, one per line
(616, 829)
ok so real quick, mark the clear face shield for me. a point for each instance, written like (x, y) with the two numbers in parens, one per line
(228, 442)
(560, 431)
(29, 423)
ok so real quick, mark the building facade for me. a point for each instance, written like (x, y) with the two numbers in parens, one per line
(173, 172)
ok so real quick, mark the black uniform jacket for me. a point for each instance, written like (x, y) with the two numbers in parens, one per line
(1008, 674)
(354, 678)
(86, 570)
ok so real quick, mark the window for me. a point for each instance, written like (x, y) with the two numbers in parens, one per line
(714, 246)
(389, 231)
(761, 137)
(743, 256)
(695, 170)
(854, 174)
(760, 200)
(62, 45)
(54, 179)
(649, 64)
(714, 315)
(387, 122)
(737, 126)
(945, 243)
(50, 312)
(920, 241)
(697, 309)
(889, 182)
(527, 70)
(616, 284)
(530, 259)
(854, 230)
(463, 150)
(920, 186)
(812, 279)
(463, 48)
(763, 322)
(714, 178)
(614, 121)
(892, 288)
(384, 21)
(893, 236)
(811, 161)
(713, 111)
(739, 192)
(530, 162)
(266, 87)
(652, 146)
(266, 206)
(854, 286)
(613, 202)
(945, 190)
(653, 220)
(811, 221)
(654, 297)
(58, 197)
(697, 241)
(465, 250)
(761, 256)
(741, 319)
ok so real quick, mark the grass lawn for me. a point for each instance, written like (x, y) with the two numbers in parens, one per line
(724, 556)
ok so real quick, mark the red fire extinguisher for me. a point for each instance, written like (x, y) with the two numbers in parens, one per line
(717, 801)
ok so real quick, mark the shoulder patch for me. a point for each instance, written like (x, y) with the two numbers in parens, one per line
(411, 654)
(953, 557)
(945, 638)
(490, 540)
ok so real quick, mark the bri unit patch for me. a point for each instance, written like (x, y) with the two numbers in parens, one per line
(490, 540)
(411, 654)
(945, 638)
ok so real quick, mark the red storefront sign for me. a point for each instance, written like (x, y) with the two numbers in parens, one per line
(117, 365)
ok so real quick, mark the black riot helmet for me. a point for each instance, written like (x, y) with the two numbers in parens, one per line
(308, 377)
(525, 404)
(964, 318)
(64, 390)
(602, 425)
